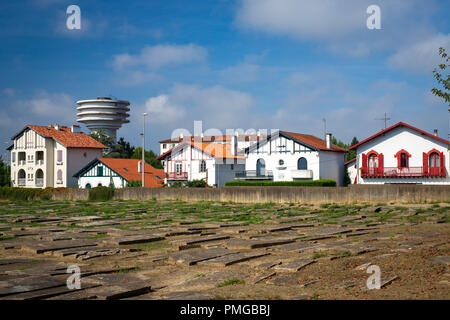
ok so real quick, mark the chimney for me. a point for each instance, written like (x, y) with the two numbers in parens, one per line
(76, 128)
(435, 132)
(56, 126)
(181, 136)
(234, 143)
(328, 140)
(139, 166)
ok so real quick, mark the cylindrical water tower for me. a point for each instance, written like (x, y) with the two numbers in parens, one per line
(103, 113)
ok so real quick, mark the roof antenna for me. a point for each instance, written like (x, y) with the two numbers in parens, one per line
(385, 120)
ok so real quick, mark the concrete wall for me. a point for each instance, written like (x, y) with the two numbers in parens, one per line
(356, 193)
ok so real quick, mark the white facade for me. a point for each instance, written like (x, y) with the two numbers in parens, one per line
(282, 158)
(41, 162)
(402, 154)
(188, 163)
(101, 175)
(351, 170)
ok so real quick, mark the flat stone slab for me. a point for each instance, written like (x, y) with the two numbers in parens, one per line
(253, 244)
(297, 247)
(191, 241)
(133, 239)
(39, 247)
(49, 292)
(191, 257)
(263, 276)
(294, 265)
(28, 284)
(233, 258)
(118, 286)
(441, 259)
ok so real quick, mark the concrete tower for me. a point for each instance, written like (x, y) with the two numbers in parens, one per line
(103, 113)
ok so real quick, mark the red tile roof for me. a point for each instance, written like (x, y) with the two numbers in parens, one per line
(241, 137)
(349, 161)
(128, 169)
(65, 136)
(400, 124)
(216, 150)
(314, 141)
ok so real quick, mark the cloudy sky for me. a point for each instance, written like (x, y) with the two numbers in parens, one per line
(243, 64)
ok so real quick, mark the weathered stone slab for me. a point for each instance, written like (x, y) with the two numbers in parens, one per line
(297, 247)
(191, 241)
(39, 247)
(133, 239)
(191, 257)
(230, 259)
(267, 265)
(441, 259)
(253, 244)
(118, 286)
(28, 284)
(99, 223)
(263, 276)
(362, 267)
(294, 265)
(49, 292)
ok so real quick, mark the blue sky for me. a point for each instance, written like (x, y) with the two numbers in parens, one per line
(234, 64)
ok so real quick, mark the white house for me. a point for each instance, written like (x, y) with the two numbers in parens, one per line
(117, 173)
(289, 156)
(402, 154)
(49, 156)
(190, 160)
(243, 140)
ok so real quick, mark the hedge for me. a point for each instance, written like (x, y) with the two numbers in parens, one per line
(308, 183)
(101, 194)
(10, 193)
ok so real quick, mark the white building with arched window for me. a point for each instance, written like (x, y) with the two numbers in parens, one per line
(49, 156)
(401, 154)
(289, 156)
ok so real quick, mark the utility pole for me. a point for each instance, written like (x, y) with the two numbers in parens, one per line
(143, 150)
(385, 120)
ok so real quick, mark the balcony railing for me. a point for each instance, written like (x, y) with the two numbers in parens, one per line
(21, 182)
(40, 162)
(39, 181)
(176, 175)
(395, 172)
(254, 174)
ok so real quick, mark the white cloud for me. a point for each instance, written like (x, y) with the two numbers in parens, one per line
(10, 92)
(420, 57)
(240, 73)
(136, 78)
(161, 55)
(339, 24)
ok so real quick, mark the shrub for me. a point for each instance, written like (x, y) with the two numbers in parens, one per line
(201, 183)
(134, 183)
(177, 184)
(11, 193)
(308, 183)
(101, 194)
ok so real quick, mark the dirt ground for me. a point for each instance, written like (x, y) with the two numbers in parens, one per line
(210, 250)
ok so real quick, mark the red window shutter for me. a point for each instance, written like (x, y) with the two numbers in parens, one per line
(364, 164)
(380, 164)
(441, 162)
(425, 164)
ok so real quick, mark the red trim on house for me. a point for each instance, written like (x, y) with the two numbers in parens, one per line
(398, 155)
(395, 126)
(349, 161)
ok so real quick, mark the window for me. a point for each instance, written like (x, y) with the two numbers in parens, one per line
(88, 186)
(59, 157)
(100, 171)
(373, 161)
(434, 160)
(164, 145)
(202, 166)
(232, 167)
(59, 175)
(178, 167)
(13, 157)
(281, 162)
(302, 164)
(403, 160)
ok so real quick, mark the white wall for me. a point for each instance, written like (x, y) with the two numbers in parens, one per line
(332, 166)
(413, 142)
(352, 171)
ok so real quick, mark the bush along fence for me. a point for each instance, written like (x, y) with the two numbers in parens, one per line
(245, 194)
(309, 183)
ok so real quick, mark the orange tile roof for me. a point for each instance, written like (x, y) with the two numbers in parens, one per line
(314, 141)
(128, 169)
(65, 136)
(216, 150)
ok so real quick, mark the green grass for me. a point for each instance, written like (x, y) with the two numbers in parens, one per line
(318, 255)
(230, 282)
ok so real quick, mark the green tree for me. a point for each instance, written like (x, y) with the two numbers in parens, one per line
(442, 79)
(150, 157)
(122, 149)
(102, 137)
(5, 174)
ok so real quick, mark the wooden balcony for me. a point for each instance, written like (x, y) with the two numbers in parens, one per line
(176, 175)
(394, 172)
